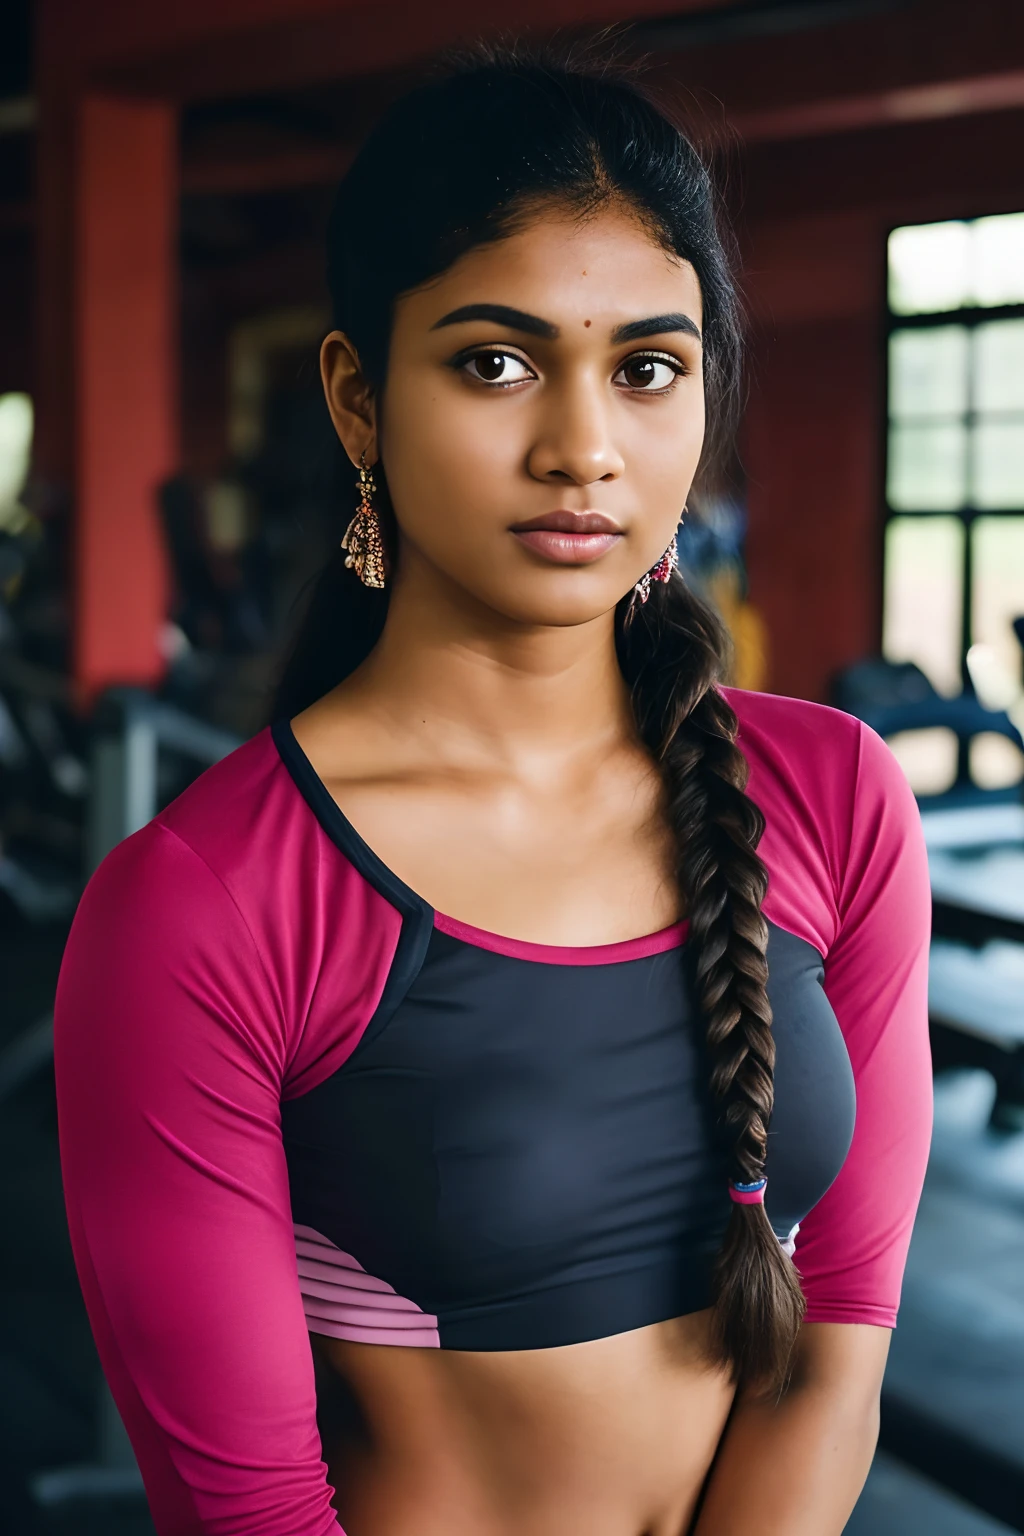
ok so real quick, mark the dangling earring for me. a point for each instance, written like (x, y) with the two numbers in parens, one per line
(362, 537)
(661, 571)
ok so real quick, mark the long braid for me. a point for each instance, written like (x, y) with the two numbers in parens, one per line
(672, 653)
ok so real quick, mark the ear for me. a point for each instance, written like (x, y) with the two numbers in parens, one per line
(350, 397)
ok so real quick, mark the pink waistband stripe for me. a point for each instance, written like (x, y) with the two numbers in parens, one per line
(342, 1301)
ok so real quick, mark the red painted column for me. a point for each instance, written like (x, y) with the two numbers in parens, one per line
(813, 438)
(812, 449)
(125, 382)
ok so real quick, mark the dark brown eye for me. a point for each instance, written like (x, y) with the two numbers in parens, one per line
(497, 368)
(651, 374)
(639, 373)
(490, 365)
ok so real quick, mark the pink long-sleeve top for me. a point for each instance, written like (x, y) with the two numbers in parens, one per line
(292, 1097)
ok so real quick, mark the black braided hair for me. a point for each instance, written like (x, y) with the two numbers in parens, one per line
(459, 162)
(673, 654)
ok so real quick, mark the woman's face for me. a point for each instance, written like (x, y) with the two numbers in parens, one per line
(553, 378)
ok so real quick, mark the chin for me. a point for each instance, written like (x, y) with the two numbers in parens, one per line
(555, 610)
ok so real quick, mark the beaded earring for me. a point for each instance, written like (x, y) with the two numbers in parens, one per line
(362, 537)
(660, 571)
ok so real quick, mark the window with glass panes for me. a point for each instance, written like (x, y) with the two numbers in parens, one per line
(954, 539)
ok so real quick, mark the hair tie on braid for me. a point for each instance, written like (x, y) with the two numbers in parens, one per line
(748, 1194)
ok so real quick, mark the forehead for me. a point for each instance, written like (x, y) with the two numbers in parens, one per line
(607, 268)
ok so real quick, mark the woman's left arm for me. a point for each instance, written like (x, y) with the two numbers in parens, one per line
(795, 1466)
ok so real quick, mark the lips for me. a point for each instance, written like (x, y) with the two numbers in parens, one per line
(569, 538)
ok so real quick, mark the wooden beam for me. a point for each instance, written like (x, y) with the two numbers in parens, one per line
(109, 32)
(317, 165)
(308, 43)
(958, 167)
(956, 97)
(928, 60)
(860, 75)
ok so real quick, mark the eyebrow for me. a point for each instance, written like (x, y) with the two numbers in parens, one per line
(533, 325)
(656, 325)
(501, 314)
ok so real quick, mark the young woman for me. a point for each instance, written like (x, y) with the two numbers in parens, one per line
(475, 1056)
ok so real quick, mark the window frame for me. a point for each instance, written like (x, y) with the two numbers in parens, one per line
(969, 317)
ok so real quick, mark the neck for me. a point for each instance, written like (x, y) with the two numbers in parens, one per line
(474, 682)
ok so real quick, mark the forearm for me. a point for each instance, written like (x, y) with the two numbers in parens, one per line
(792, 1469)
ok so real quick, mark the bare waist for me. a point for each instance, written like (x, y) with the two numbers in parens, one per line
(613, 1436)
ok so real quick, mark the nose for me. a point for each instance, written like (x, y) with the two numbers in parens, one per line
(575, 442)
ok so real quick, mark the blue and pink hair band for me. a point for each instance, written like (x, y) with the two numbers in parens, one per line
(748, 1194)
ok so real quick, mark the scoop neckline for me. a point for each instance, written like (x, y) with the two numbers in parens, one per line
(369, 863)
(566, 954)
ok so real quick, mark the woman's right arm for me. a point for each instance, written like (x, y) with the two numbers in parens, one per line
(170, 1051)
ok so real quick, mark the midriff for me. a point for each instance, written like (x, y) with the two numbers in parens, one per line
(612, 1437)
